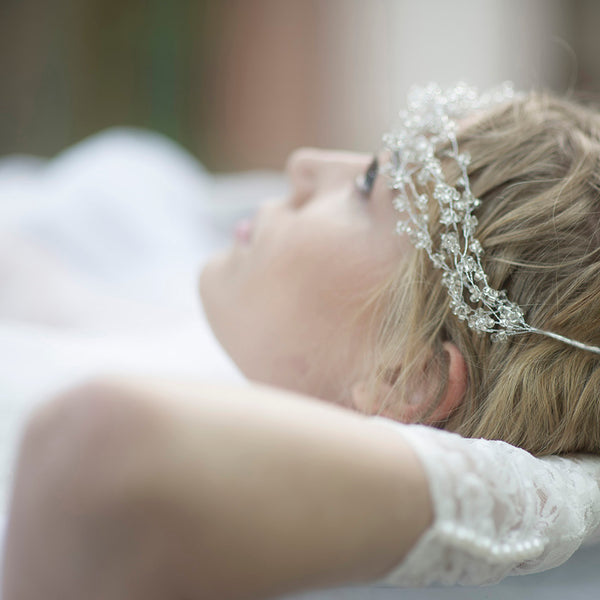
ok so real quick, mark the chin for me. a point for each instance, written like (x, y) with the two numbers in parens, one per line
(212, 278)
(223, 314)
(208, 283)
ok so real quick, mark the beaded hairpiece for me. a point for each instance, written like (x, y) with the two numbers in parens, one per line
(430, 123)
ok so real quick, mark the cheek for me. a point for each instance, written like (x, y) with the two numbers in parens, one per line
(324, 271)
(297, 274)
(287, 308)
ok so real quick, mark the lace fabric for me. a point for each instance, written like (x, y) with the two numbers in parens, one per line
(499, 510)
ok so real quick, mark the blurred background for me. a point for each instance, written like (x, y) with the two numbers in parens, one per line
(240, 83)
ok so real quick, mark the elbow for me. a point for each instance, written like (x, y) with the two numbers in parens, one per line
(81, 438)
(74, 481)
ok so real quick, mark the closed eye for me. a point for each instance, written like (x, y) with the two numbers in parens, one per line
(366, 180)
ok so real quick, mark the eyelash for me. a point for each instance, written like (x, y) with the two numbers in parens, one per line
(364, 182)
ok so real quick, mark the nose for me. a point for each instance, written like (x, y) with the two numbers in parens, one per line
(302, 170)
(311, 171)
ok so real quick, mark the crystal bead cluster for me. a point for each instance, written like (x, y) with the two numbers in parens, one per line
(425, 135)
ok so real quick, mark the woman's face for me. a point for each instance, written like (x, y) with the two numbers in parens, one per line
(285, 300)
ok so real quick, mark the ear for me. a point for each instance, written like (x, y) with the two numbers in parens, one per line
(408, 411)
(456, 384)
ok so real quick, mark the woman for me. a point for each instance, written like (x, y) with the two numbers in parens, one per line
(229, 494)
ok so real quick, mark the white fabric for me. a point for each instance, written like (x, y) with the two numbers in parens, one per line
(498, 510)
(100, 251)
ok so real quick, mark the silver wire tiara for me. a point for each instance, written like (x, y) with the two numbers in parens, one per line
(429, 123)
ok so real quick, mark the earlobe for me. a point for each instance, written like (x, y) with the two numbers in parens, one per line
(375, 399)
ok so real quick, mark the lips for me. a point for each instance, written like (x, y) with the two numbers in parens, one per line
(243, 231)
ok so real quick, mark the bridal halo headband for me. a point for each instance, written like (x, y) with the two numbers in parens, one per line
(428, 124)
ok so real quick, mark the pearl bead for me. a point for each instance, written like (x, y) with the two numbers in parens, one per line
(520, 548)
(478, 545)
(486, 544)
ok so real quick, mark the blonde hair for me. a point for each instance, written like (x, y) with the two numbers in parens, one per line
(536, 168)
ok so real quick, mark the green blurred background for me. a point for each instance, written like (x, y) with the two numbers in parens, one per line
(72, 67)
(240, 83)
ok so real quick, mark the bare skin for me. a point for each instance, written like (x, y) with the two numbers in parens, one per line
(286, 302)
(167, 489)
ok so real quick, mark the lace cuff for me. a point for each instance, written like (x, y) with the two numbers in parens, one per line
(498, 510)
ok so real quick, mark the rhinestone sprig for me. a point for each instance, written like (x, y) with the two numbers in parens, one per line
(428, 124)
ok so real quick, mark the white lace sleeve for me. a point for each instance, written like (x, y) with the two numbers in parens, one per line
(498, 510)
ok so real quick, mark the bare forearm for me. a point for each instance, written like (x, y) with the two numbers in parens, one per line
(295, 493)
(262, 492)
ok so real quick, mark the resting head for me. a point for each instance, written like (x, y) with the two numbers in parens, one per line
(321, 295)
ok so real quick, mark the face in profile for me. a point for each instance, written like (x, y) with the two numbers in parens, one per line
(285, 299)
